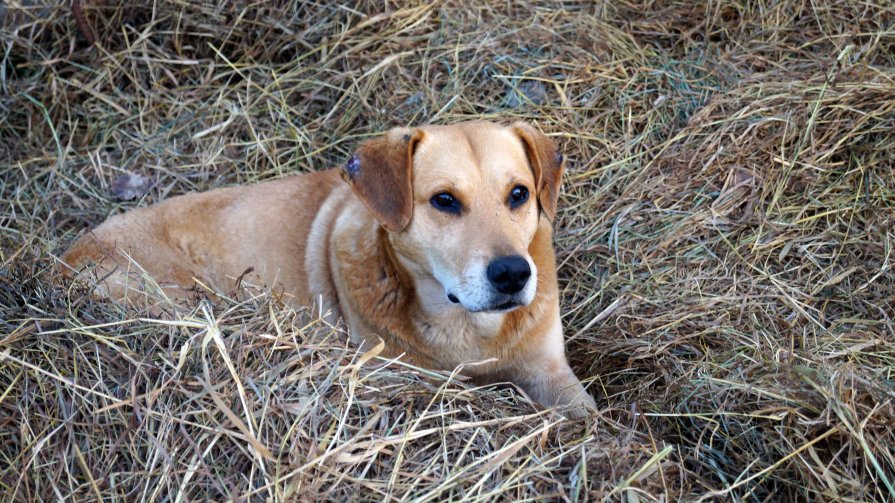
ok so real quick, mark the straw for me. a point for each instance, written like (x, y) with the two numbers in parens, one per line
(725, 246)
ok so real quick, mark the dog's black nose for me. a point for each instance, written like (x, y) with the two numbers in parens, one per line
(509, 274)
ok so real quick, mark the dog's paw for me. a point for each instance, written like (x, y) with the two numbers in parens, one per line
(574, 413)
(581, 406)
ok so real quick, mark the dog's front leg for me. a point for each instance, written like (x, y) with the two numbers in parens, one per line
(548, 379)
(552, 383)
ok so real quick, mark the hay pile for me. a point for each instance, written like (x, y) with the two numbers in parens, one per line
(725, 243)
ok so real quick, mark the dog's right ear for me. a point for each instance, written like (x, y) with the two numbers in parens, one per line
(546, 163)
(381, 175)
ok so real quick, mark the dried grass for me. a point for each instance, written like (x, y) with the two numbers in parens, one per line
(725, 239)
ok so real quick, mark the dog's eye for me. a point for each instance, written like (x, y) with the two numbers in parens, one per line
(518, 196)
(444, 201)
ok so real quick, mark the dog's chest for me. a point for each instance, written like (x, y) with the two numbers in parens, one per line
(461, 339)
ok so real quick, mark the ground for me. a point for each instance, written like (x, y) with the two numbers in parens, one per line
(725, 243)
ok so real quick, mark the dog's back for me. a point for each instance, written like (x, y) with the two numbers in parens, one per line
(208, 237)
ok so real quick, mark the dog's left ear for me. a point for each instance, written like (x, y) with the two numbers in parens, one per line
(381, 175)
(546, 163)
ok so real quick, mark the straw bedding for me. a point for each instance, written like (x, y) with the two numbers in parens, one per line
(725, 242)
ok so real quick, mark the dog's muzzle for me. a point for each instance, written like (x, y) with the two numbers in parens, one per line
(502, 285)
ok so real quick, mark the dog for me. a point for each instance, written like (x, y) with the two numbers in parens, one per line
(439, 244)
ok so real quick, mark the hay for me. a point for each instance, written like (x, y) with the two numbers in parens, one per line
(725, 238)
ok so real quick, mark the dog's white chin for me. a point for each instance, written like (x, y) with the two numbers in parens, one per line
(500, 303)
(501, 310)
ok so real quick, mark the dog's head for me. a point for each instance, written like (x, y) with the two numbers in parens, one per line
(462, 204)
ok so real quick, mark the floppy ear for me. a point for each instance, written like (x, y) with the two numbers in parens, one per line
(380, 174)
(546, 163)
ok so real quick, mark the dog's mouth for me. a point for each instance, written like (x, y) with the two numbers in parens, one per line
(503, 307)
(507, 306)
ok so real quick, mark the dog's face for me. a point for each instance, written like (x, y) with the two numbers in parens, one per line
(462, 204)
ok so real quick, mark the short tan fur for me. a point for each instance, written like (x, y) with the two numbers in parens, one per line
(442, 284)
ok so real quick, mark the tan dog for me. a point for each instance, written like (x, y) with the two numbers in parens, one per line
(439, 244)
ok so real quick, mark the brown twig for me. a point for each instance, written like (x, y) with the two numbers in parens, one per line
(81, 21)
